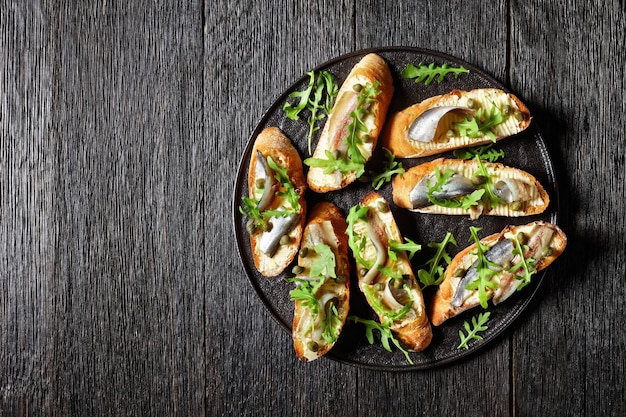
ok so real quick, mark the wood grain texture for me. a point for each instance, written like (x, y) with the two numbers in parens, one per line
(121, 128)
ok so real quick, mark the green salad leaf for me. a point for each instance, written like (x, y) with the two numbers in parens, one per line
(478, 325)
(386, 335)
(427, 73)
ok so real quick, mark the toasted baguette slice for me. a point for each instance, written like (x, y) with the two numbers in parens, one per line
(518, 192)
(371, 229)
(371, 70)
(311, 339)
(271, 251)
(434, 130)
(541, 244)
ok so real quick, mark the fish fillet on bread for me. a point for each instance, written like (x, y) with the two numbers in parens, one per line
(443, 186)
(540, 242)
(387, 281)
(277, 208)
(439, 124)
(342, 150)
(322, 294)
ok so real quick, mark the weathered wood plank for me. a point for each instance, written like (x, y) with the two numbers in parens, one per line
(569, 355)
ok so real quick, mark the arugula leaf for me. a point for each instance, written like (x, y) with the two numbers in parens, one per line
(526, 265)
(484, 153)
(478, 325)
(312, 99)
(490, 197)
(386, 335)
(356, 214)
(408, 246)
(485, 268)
(377, 305)
(290, 193)
(390, 168)
(353, 160)
(427, 73)
(331, 324)
(465, 201)
(305, 292)
(434, 274)
(325, 265)
(480, 124)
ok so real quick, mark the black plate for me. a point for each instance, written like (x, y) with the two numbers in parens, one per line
(526, 151)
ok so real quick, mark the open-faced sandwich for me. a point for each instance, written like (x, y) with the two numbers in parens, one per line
(454, 120)
(496, 267)
(322, 293)
(351, 131)
(384, 272)
(457, 186)
(275, 205)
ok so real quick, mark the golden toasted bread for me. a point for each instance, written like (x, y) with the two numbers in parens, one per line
(317, 325)
(540, 242)
(387, 281)
(336, 139)
(276, 187)
(517, 193)
(432, 126)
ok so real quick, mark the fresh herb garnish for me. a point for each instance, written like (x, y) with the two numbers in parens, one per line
(478, 325)
(434, 274)
(490, 197)
(427, 73)
(481, 123)
(373, 296)
(391, 168)
(408, 246)
(525, 265)
(356, 243)
(386, 334)
(485, 269)
(331, 324)
(353, 160)
(484, 153)
(325, 265)
(318, 98)
(305, 292)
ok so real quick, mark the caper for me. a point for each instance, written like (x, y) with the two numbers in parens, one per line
(336, 154)
(506, 109)
(366, 138)
(547, 252)
(268, 227)
(312, 345)
(519, 116)
(379, 286)
(460, 272)
(297, 269)
(304, 252)
(259, 183)
(284, 240)
(470, 103)
(382, 207)
(516, 205)
(340, 278)
(357, 87)
(522, 238)
(479, 179)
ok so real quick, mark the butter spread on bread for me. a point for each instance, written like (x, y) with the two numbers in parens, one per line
(509, 259)
(454, 120)
(385, 277)
(275, 203)
(352, 128)
(461, 187)
(322, 293)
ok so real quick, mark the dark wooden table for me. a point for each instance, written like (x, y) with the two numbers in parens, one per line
(121, 128)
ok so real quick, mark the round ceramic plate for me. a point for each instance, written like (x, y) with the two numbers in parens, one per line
(526, 151)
